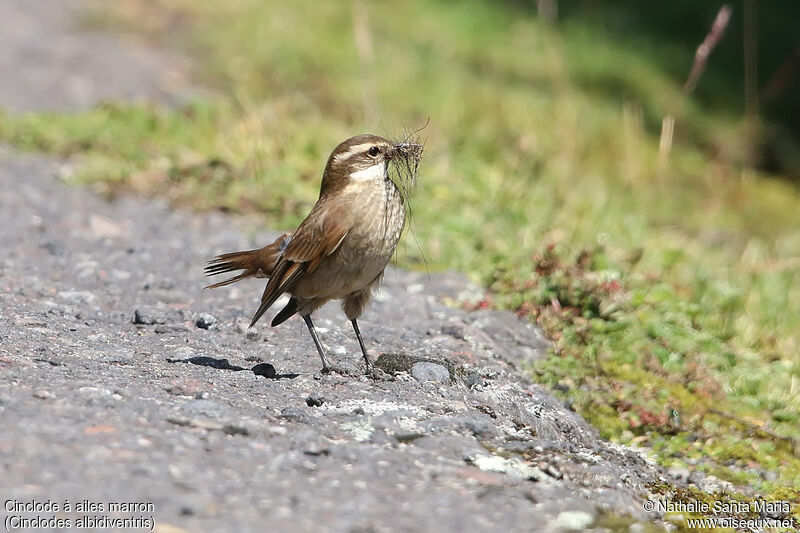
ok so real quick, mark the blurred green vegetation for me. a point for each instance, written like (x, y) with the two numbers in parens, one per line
(669, 284)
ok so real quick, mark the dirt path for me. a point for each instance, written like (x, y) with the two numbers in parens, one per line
(168, 412)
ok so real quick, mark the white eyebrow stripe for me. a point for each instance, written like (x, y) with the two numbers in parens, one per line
(356, 149)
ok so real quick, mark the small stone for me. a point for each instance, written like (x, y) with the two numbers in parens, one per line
(553, 472)
(382, 438)
(293, 414)
(208, 408)
(77, 297)
(430, 372)
(573, 521)
(265, 369)
(119, 356)
(205, 321)
(314, 401)
(149, 316)
(713, 484)
(44, 394)
(479, 427)
(679, 473)
(407, 435)
(185, 387)
(236, 429)
(474, 380)
(184, 352)
(317, 447)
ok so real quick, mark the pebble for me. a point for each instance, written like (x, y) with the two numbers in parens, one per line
(264, 369)
(294, 414)
(426, 372)
(208, 408)
(573, 521)
(314, 401)
(43, 394)
(185, 387)
(553, 472)
(77, 297)
(407, 435)
(119, 356)
(479, 427)
(679, 473)
(473, 380)
(149, 316)
(205, 320)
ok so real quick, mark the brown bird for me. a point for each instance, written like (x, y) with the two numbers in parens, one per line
(341, 249)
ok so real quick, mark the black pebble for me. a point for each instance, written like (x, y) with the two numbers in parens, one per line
(314, 401)
(205, 320)
(265, 369)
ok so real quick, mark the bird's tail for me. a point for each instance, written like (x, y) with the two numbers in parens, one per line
(253, 263)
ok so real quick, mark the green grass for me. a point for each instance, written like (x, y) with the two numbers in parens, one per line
(670, 289)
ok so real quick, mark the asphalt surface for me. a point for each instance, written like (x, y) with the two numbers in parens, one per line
(121, 380)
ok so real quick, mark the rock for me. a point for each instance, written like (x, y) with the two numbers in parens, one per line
(407, 435)
(294, 414)
(205, 320)
(118, 356)
(185, 387)
(264, 369)
(573, 521)
(679, 473)
(314, 401)
(43, 394)
(712, 484)
(425, 372)
(77, 297)
(149, 316)
(473, 380)
(480, 427)
(208, 408)
(236, 429)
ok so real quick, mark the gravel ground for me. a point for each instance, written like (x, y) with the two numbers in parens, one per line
(121, 380)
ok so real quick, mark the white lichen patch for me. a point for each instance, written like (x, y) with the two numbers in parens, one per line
(372, 407)
(361, 430)
(512, 467)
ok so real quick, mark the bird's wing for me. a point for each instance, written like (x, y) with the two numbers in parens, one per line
(318, 236)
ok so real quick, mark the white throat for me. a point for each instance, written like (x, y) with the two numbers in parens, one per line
(376, 172)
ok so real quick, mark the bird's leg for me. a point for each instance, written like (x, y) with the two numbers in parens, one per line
(363, 348)
(307, 318)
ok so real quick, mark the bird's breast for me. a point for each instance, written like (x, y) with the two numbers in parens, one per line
(378, 220)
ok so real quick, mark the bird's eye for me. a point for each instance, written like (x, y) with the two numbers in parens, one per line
(373, 151)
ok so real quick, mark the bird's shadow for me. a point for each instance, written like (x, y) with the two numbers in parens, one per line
(261, 369)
